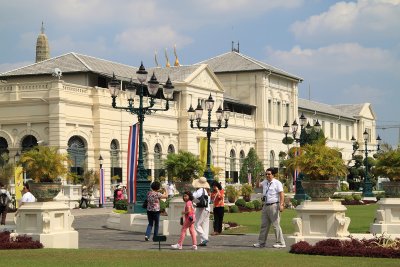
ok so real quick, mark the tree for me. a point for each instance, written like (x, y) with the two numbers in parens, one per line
(6, 169)
(312, 137)
(184, 166)
(252, 164)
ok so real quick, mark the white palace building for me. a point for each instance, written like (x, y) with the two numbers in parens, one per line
(73, 112)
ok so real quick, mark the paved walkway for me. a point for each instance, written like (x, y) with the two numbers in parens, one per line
(90, 223)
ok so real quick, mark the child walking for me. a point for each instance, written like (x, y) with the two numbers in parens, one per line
(188, 222)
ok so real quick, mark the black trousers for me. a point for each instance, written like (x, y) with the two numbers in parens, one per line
(218, 219)
(3, 212)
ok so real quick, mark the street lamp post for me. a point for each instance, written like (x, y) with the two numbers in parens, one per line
(101, 189)
(196, 115)
(142, 183)
(367, 187)
(300, 194)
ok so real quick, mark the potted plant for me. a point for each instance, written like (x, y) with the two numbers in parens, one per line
(45, 166)
(246, 191)
(231, 193)
(388, 165)
(183, 166)
(321, 166)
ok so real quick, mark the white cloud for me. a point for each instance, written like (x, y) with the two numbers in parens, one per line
(338, 58)
(367, 19)
(146, 40)
(248, 7)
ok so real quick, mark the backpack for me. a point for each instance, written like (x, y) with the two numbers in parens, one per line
(3, 200)
(202, 201)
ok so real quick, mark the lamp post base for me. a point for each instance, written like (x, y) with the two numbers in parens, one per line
(367, 189)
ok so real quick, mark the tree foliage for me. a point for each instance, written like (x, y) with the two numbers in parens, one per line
(252, 164)
(6, 169)
(388, 165)
(184, 166)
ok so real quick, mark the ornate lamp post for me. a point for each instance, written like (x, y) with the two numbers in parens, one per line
(142, 184)
(300, 194)
(196, 115)
(367, 187)
(101, 198)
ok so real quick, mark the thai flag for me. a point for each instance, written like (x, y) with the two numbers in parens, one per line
(102, 197)
(133, 148)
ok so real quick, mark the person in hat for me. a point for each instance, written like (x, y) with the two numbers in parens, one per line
(202, 213)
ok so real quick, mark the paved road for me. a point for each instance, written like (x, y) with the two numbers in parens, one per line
(90, 224)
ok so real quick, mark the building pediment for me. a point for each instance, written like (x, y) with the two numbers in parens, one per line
(204, 78)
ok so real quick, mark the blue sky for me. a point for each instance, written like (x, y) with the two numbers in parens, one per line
(346, 51)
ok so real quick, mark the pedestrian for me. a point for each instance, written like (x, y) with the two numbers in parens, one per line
(84, 199)
(217, 197)
(202, 223)
(120, 194)
(153, 208)
(27, 195)
(124, 192)
(273, 201)
(5, 198)
(115, 198)
(171, 190)
(188, 222)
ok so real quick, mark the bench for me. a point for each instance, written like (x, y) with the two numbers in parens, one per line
(159, 239)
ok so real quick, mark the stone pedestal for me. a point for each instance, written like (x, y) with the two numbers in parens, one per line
(172, 225)
(387, 217)
(319, 220)
(48, 222)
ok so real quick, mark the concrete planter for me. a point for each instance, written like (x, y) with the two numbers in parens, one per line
(392, 188)
(44, 192)
(320, 190)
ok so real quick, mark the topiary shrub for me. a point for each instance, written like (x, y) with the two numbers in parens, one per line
(257, 204)
(226, 209)
(357, 197)
(121, 204)
(19, 242)
(348, 198)
(344, 187)
(234, 209)
(249, 205)
(240, 202)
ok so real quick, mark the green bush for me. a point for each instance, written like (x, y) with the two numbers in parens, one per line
(348, 198)
(163, 206)
(344, 187)
(234, 209)
(121, 204)
(357, 197)
(257, 204)
(380, 195)
(240, 202)
(226, 209)
(249, 205)
(337, 196)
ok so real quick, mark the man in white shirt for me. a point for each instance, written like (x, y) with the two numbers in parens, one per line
(273, 203)
(27, 195)
(202, 223)
(171, 190)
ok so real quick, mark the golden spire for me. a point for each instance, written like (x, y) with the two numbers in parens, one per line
(155, 58)
(166, 57)
(176, 57)
(42, 46)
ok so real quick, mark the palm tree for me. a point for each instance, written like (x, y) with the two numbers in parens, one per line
(184, 166)
(45, 164)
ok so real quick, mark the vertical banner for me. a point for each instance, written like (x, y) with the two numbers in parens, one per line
(203, 150)
(133, 149)
(19, 184)
(102, 198)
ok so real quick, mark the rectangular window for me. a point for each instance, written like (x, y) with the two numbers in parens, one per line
(339, 131)
(331, 130)
(323, 126)
(269, 111)
(287, 113)
(279, 117)
(347, 133)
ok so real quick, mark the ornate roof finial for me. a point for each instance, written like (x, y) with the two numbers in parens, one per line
(166, 57)
(176, 58)
(238, 48)
(42, 29)
(155, 58)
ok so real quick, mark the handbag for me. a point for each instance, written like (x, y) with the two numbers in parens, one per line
(202, 201)
(181, 221)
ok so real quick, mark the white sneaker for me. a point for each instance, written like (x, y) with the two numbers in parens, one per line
(279, 246)
(176, 246)
(194, 247)
(258, 245)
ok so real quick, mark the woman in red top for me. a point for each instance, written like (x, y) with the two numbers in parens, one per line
(217, 197)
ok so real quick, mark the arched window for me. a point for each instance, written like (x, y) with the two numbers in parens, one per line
(272, 159)
(77, 153)
(4, 153)
(28, 142)
(232, 164)
(158, 169)
(241, 158)
(116, 169)
(171, 149)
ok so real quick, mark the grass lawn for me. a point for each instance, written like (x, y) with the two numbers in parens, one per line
(361, 217)
(85, 257)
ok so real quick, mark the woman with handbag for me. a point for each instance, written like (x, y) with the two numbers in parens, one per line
(153, 208)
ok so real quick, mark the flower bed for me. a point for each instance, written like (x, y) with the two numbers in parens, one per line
(378, 247)
(18, 242)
